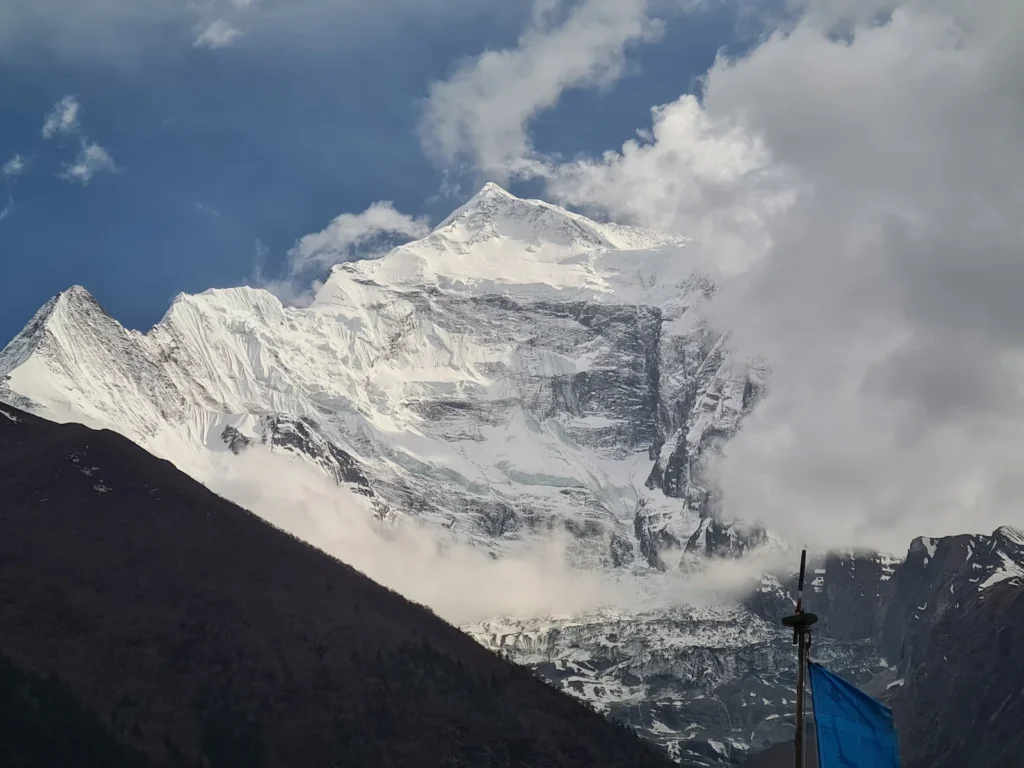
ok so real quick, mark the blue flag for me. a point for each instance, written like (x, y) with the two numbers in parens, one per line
(853, 730)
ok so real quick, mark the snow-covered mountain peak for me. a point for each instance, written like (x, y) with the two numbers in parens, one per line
(241, 302)
(521, 379)
(63, 307)
(496, 213)
(499, 243)
(1011, 534)
(76, 297)
(55, 326)
(494, 191)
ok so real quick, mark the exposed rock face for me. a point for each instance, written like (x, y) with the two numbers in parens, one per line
(936, 578)
(849, 592)
(949, 618)
(708, 684)
(963, 699)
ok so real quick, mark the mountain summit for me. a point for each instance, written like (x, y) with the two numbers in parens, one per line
(498, 242)
(495, 213)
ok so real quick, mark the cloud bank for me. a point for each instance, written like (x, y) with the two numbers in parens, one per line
(461, 583)
(855, 178)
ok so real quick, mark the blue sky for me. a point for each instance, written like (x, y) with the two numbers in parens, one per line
(265, 138)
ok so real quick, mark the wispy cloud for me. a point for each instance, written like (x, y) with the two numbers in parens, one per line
(14, 167)
(7, 210)
(63, 118)
(347, 234)
(91, 159)
(348, 237)
(480, 115)
(217, 34)
(207, 209)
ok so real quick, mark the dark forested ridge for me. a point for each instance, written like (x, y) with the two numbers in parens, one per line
(146, 621)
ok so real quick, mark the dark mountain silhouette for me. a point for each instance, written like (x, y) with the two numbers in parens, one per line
(146, 621)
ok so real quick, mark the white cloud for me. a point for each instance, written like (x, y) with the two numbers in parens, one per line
(14, 167)
(861, 172)
(888, 300)
(350, 232)
(462, 583)
(217, 34)
(62, 119)
(481, 113)
(349, 236)
(691, 173)
(91, 159)
(7, 209)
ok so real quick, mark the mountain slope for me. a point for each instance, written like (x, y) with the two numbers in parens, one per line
(167, 626)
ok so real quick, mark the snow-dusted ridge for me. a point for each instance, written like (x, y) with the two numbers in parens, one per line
(499, 243)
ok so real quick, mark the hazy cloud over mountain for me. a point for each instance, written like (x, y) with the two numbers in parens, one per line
(857, 175)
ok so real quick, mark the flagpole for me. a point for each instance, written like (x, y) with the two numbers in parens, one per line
(801, 623)
(800, 696)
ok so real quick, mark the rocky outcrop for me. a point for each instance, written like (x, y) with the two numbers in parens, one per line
(709, 685)
(950, 620)
(962, 703)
